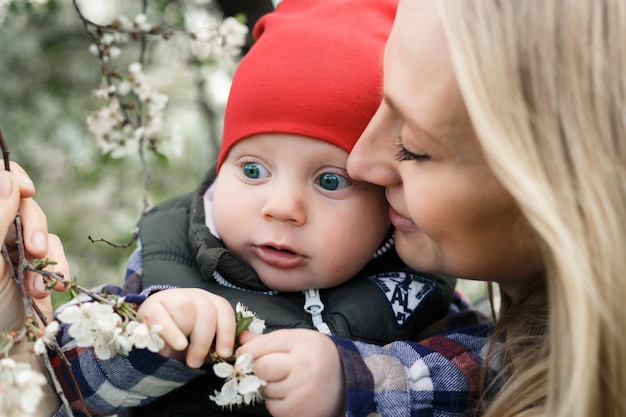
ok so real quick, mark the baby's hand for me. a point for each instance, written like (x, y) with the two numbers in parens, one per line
(302, 369)
(191, 318)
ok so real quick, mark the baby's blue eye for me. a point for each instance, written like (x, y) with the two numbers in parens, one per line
(254, 170)
(332, 182)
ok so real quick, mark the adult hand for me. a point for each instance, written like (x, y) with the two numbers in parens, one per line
(38, 243)
(191, 319)
(16, 191)
(302, 369)
(11, 308)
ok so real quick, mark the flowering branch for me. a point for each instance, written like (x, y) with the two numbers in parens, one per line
(241, 386)
(131, 119)
(21, 387)
(108, 324)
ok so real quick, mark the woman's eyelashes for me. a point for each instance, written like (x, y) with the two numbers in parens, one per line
(405, 155)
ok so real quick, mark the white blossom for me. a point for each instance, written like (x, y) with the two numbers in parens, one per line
(108, 38)
(48, 338)
(124, 88)
(234, 33)
(114, 52)
(94, 50)
(141, 23)
(97, 325)
(241, 385)
(104, 91)
(143, 336)
(135, 68)
(100, 122)
(201, 23)
(257, 325)
(108, 344)
(121, 142)
(124, 22)
(20, 389)
(212, 37)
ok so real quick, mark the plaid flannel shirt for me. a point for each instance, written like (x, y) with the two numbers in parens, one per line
(437, 377)
(434, 378)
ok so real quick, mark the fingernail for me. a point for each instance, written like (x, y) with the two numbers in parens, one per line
(40, 285)
(226, 353)
(6, 186)
(40, 241)
(194, 363)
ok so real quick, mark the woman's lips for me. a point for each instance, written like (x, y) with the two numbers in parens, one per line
(279, 258)
(400, 222)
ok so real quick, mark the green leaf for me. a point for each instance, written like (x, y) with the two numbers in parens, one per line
(162, 158)
(42, 263)
(242, 324)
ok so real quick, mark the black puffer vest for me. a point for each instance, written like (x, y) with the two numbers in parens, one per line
(386, 301)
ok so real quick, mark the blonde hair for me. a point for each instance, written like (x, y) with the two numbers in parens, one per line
(545, 85)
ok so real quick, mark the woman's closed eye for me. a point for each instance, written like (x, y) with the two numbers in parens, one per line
(405, 155)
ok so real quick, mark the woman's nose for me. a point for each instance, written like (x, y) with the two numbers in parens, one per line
(373, 157)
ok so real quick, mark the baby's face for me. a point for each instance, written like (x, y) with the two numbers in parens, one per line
(286, 205)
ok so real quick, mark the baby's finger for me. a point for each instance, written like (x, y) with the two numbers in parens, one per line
(247, 336)
(274, 367)
(226, 326)
(276, 390)
(201, 337)
(155, 313)
(261, 345)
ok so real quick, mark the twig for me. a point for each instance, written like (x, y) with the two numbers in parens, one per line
(57, 385)
(5, 153)
(116, 245)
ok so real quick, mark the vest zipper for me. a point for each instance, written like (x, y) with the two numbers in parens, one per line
(314, 306)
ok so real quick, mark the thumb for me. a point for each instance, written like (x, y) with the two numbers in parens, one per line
(9, 202)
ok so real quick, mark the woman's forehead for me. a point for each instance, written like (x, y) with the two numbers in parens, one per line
(419, 80)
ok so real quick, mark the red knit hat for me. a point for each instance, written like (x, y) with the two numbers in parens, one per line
(314, 70)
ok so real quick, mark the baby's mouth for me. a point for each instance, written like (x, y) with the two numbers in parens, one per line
(279, 257)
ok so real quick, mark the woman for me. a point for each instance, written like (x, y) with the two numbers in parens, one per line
(501, 142)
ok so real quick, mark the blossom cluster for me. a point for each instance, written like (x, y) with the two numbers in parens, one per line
(20, 389)
(112, 125)
(109, 330)
(6, 4)
(241, 386)
(112, 328)
(133, 110)
(211, 37)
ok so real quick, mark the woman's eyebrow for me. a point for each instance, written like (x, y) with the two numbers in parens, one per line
(391, 104)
